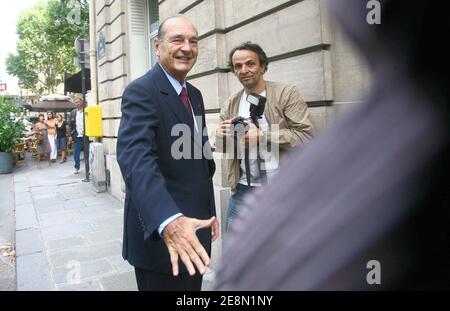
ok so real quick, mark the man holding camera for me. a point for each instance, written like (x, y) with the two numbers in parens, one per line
(275, 117)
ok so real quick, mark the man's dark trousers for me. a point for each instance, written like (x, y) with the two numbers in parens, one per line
(154, 281)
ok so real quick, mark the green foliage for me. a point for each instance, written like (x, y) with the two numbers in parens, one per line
(12, 124)
(45, 49)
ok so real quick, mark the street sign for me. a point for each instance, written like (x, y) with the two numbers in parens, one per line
(78, 45)
(82, 44)
(76, 63)
(101, 45)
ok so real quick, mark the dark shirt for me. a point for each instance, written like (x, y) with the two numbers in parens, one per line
(61, 131)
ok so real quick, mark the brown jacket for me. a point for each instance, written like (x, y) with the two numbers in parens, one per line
(285, 107)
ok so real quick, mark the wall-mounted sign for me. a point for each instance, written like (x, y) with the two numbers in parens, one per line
(101, 46)
(3, 87)
(82, 48)
(82, 44)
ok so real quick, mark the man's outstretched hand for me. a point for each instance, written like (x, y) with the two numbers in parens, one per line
(181, 241)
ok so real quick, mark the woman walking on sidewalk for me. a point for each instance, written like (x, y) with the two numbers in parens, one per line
(61, 137)
(51, 128)
(42, 146)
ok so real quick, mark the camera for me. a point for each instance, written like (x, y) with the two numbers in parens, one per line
(257, 105)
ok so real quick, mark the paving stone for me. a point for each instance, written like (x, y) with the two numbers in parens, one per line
(107, 234)
(25, 216)
(86, 253)
(42, 204)
(74, 204)
(97, 209)
(87, 269)
(45, 196)
(28, 241)
(101, 216)
(101, 201)
(66, 230)
(33, 273)
(43, 209)
(35, 191)
(71, 223)
(46, 199)
(68, 186)
(105, 195)
(88, 285)
(39, 181)
(58, 218)
(76, 194)
(23, 198)
(20, 187)
(120, 264)
(66, 243)
(108, 222)
(120, 282)
(19, 178)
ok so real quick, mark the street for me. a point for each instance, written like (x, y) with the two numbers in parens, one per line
(7, 234)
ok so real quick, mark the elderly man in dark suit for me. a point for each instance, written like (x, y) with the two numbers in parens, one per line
(169, 191)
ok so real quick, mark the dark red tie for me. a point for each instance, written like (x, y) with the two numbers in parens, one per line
(185, 100)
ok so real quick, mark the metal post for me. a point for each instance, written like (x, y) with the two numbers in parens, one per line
(83, 92)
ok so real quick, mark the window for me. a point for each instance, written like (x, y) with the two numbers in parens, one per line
(138, 38)
(153, 30)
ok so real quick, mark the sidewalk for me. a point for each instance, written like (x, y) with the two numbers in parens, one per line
(68, 237)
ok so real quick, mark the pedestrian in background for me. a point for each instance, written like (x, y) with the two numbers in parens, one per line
(77, 131)
(61, 137)
(42, 144)
(51, 129)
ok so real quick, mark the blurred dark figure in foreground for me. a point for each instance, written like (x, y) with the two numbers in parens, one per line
(375, 186)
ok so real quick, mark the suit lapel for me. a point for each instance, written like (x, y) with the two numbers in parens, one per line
(196, 104)
(199, 112)
(171, 98)
(177, 107)
(173, 101)
(195, 101)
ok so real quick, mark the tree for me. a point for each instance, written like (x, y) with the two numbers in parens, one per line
(45, 48)
(12, 124)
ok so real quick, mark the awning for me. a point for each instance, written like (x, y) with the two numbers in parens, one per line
(22, 102)
(54, 105)
(73, 83)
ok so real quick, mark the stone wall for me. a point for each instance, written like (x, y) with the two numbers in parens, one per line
(111, 21)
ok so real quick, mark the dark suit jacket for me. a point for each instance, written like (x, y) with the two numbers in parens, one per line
(158, 185)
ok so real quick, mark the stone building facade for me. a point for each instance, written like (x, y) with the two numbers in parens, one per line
(303, 47)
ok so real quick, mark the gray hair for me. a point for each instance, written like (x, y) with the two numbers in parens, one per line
(161, 30)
